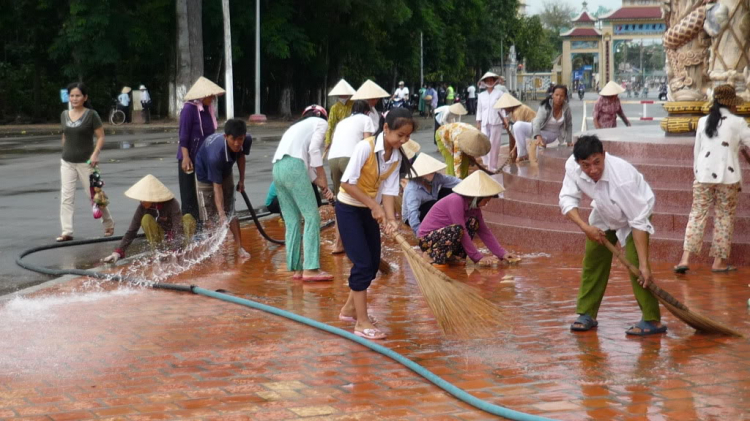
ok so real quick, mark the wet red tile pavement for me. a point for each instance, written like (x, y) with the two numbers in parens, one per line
(99, 350)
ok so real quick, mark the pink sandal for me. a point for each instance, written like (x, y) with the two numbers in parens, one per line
(371, 334)
(350, 319)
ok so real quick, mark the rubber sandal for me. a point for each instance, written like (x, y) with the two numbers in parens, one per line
(587, 323)
(371, 334)
(349, 319)
(109, 232)
(296, 277)
(64, 238)
(647, 328)
(729, 268)
(318, 278)
(681, 269)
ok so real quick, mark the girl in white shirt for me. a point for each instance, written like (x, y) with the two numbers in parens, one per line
(718, 178)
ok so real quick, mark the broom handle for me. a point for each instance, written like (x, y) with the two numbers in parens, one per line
(651, 285)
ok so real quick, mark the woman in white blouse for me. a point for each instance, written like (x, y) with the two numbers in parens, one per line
(299, 159)
(718, 178)
(348, 133)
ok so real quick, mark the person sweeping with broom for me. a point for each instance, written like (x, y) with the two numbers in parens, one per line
(622, 205)
(446, 235)
(371, 176)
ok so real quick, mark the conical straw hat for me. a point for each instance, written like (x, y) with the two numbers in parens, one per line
(458, 109)
(343, 88)
(149, 189)
(411, 148)
(478, 184)
(489, 74)
(425, 164)
(370, 90)
(126, 90)
(506, 101)
(203, 88)
(472, 142)
(611, 88)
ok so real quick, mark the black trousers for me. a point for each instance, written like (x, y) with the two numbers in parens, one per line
(188, 194)
(471, 103)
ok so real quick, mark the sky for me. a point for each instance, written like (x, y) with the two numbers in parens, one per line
(536, 6)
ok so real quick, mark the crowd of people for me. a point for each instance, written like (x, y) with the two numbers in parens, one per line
(381, 182)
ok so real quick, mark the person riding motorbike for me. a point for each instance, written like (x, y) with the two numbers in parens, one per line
(581, 90)
(400, 98)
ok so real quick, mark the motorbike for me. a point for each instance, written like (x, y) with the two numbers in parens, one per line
(581, 92)
(663, 93)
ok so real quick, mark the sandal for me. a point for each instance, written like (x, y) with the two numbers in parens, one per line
(646, 329)
(370, 334)
(320, 276)
(108, 232)
(350, 319)
(729, 268)
(586, 323)
(64, 238)
(681, 269)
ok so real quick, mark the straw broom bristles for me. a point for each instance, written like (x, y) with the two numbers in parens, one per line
(681, 311)
(459, 309)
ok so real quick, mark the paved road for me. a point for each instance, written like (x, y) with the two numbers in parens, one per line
(29, 170)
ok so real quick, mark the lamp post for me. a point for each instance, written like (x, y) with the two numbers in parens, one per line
(257, 117)
(228, 77)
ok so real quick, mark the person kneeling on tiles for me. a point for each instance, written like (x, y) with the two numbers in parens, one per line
(462, 146)
(423, 192)
(159, 214)
(622, 204)
(447, 232)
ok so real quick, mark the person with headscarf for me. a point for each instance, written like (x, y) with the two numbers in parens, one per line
(608, 107)
(423, 191)
(341, 109)
(197, 122)
(158, 214)
(447, 232)
(488, 119)
(718, 178)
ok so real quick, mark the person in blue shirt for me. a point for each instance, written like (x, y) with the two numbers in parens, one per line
(422, 192)
(215, 180)
(123, 102)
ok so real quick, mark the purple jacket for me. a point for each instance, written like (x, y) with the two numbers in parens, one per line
(454, 210)
(191, 136)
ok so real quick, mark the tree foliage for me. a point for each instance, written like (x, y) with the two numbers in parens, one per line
(557, 14)
(305, 48)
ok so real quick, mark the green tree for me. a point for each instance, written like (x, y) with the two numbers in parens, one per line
(533, 43)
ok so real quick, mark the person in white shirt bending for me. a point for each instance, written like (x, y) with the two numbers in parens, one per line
(622, 204)
(718, 178)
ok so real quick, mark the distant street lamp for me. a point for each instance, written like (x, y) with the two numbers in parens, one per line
(257, 117)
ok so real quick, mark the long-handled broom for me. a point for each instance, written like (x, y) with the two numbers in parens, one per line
(459, 309)
(681, 311)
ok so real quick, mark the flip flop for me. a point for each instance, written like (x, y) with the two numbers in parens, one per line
(647, 328)
(729, 268)
(64, 238)
(681, 269)
(109, 232)
(587, 323)
(371, 334)
(318, 278)
(296, 277)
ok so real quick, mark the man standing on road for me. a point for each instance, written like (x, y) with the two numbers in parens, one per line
(450, 95)
(145, 104)
(471, 99)
(488, 118)
(213, 170)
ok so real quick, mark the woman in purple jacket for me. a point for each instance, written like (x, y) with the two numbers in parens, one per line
(446, 234)
(197, 121)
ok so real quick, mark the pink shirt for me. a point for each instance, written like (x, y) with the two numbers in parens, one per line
(606, 109)
(454, 210)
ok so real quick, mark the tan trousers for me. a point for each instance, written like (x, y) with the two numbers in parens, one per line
(70, 173)
(724, 198)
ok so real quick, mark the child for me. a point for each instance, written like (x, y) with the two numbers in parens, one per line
(371, 175)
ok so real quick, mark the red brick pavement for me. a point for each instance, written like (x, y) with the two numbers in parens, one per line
(98, 350)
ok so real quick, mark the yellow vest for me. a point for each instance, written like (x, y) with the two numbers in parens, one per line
(369, 180)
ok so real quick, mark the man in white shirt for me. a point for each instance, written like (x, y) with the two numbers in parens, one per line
(401, 96)
(622, 204)
(488, 118)
(471, 99)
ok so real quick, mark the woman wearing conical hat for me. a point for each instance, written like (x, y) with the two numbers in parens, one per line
(197, 122)
(158, 213)
(608, 107)
(340, 110)
(422, 192)
(514, 111)
(447, 232)
(373, 94)
(462, 146)
(488, 120)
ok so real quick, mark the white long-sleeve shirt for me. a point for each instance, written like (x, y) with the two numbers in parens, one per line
(304, 140)
(622, 199)
(716, 159)
(485, 113)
